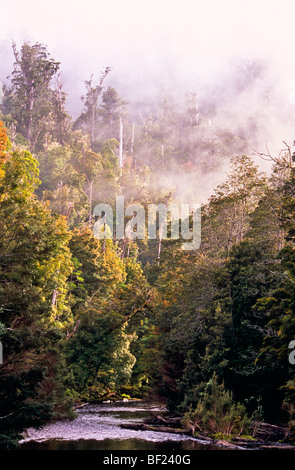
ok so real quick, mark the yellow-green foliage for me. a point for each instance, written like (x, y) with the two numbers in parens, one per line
(217, 413)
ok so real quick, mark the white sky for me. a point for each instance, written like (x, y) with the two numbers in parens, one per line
(188, 27)
(139, 36)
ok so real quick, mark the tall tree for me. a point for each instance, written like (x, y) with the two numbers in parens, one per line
(31, 79)
(88, 118)
(61, 121)
(34, 262)
(112, 111)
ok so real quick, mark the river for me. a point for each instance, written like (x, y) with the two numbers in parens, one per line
(98, 427)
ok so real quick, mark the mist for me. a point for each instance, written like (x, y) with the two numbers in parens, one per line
(166, 48)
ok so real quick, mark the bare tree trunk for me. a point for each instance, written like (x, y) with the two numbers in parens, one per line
(90, 203)
(132, 138)
(163, 155)
(104, 239)
(92, 124)
(36, 136)
(12, 132)
(30, 118)
(54, 297)
(121, 144)
(159, 248)
(125, 243)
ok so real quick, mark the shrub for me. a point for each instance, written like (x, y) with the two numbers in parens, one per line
(217, 412)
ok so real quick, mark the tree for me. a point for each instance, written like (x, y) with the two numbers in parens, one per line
(90, 165)
(88, 119)
(112, 109)
(35, 262)
(217, 412)
(31, 79)
(227, 215)
(278, 309)
(208, 312)
(63, 183)
(61, 121)
(111, 302)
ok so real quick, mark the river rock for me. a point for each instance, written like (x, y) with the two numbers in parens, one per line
(168, 429)
(164, 420)
(206, 439)
(277, 446)
(269, 432)
(134, 426)
(230, 445)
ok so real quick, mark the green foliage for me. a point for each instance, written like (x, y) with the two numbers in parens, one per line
(110, 304)
(34, 264)
(87, 121)
(231, 312)
(216, 412)
(31, 100)
(19, 408)
(82, 318)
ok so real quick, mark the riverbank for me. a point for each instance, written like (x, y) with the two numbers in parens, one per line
(264, 436)
(138, 425)
(108, 426)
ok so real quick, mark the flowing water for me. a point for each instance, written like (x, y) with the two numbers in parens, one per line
(98, 427)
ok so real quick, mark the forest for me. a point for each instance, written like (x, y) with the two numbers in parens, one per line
(83, 319)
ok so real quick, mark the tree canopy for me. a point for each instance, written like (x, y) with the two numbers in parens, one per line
(82, 318)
